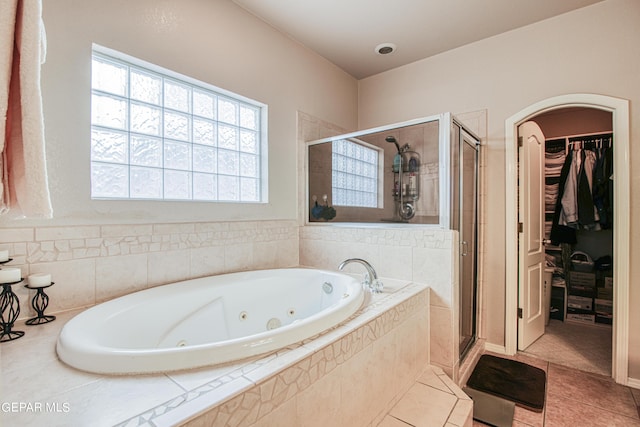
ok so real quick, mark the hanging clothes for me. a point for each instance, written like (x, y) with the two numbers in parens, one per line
(569, 196)
(587, 213)
(603, 185)
(561, 233)
(585, 197)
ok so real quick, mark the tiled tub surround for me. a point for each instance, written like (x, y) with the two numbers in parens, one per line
(417, 254)
(94, 263)
(358, 371)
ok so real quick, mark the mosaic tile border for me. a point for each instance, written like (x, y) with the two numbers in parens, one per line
(51, 244)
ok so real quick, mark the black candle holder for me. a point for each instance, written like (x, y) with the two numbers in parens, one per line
(39, 303)
(10, 306)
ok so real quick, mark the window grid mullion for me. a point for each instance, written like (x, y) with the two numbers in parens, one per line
(128, 94)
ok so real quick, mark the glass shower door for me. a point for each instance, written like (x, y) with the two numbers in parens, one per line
(468, 240)
(464, 218)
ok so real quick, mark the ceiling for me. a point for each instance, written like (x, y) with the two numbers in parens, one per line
(346, 32)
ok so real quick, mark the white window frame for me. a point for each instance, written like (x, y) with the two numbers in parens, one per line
(261, 131)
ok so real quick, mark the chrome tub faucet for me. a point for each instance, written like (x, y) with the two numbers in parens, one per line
(371, 281)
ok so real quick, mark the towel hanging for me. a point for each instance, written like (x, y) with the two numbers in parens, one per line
(24, 187)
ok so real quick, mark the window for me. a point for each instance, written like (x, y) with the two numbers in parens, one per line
(354, 180)
(156, 134)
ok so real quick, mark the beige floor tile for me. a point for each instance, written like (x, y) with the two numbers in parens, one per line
(562, 412)
(432, 379)
(461, 413)
(390, 421)
(578, 398)
(598, 391)
(578, 346)
(424, 406)
(528, 418)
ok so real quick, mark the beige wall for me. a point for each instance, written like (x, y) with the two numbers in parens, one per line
(97, 250)
(214, 41)
(591, 50)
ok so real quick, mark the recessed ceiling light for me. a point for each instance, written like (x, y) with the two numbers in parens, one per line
(385, 48)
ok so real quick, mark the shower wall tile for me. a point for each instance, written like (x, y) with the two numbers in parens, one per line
(278, 253)
(238, 257)
(207, 261)
(441, 345)
(180, 228)
(126, 230)
(393, 263)
(434, 267)
(14, 235)
(167, 267)
(120, 275)
(423, 255)
(75, 284)
(57, 233)
(91, 264)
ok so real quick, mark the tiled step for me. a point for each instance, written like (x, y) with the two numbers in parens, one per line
(433, 400)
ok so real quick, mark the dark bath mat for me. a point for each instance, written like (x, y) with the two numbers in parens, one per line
(516, 381)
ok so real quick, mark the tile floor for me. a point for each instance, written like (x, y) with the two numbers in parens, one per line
(578, 398)
(583, 347)
(580, 390)
(433, 400)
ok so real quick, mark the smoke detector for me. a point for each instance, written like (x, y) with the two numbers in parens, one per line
(385, 48)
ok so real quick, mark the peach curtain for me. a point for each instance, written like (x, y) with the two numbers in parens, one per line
(24, 190)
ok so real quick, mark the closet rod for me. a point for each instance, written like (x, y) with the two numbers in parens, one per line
(592, 142)
(590, 137)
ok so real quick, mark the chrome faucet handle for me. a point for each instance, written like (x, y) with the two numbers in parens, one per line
(377, 286)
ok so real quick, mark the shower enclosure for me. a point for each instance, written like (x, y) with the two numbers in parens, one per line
(464, 218)
(422, 172)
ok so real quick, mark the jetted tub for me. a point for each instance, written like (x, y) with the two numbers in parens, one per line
(207, 321)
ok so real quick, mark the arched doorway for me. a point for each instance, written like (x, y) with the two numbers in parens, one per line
(620, 115)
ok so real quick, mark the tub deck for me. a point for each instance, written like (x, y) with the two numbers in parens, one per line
(42, 390)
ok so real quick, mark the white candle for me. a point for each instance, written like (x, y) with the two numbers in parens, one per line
(38, 280)
(4, 256)
(10, 275)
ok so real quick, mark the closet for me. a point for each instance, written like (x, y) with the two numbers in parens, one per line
(578, 225)
(581, 298)
(572, 336)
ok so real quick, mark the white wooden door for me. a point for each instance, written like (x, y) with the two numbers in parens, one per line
(531, 260)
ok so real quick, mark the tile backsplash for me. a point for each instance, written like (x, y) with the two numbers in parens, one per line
(91, 264)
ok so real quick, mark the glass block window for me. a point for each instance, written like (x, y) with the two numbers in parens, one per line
(354, 180)
(156, 134)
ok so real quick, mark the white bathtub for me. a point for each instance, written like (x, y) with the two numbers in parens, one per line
(207, 321)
